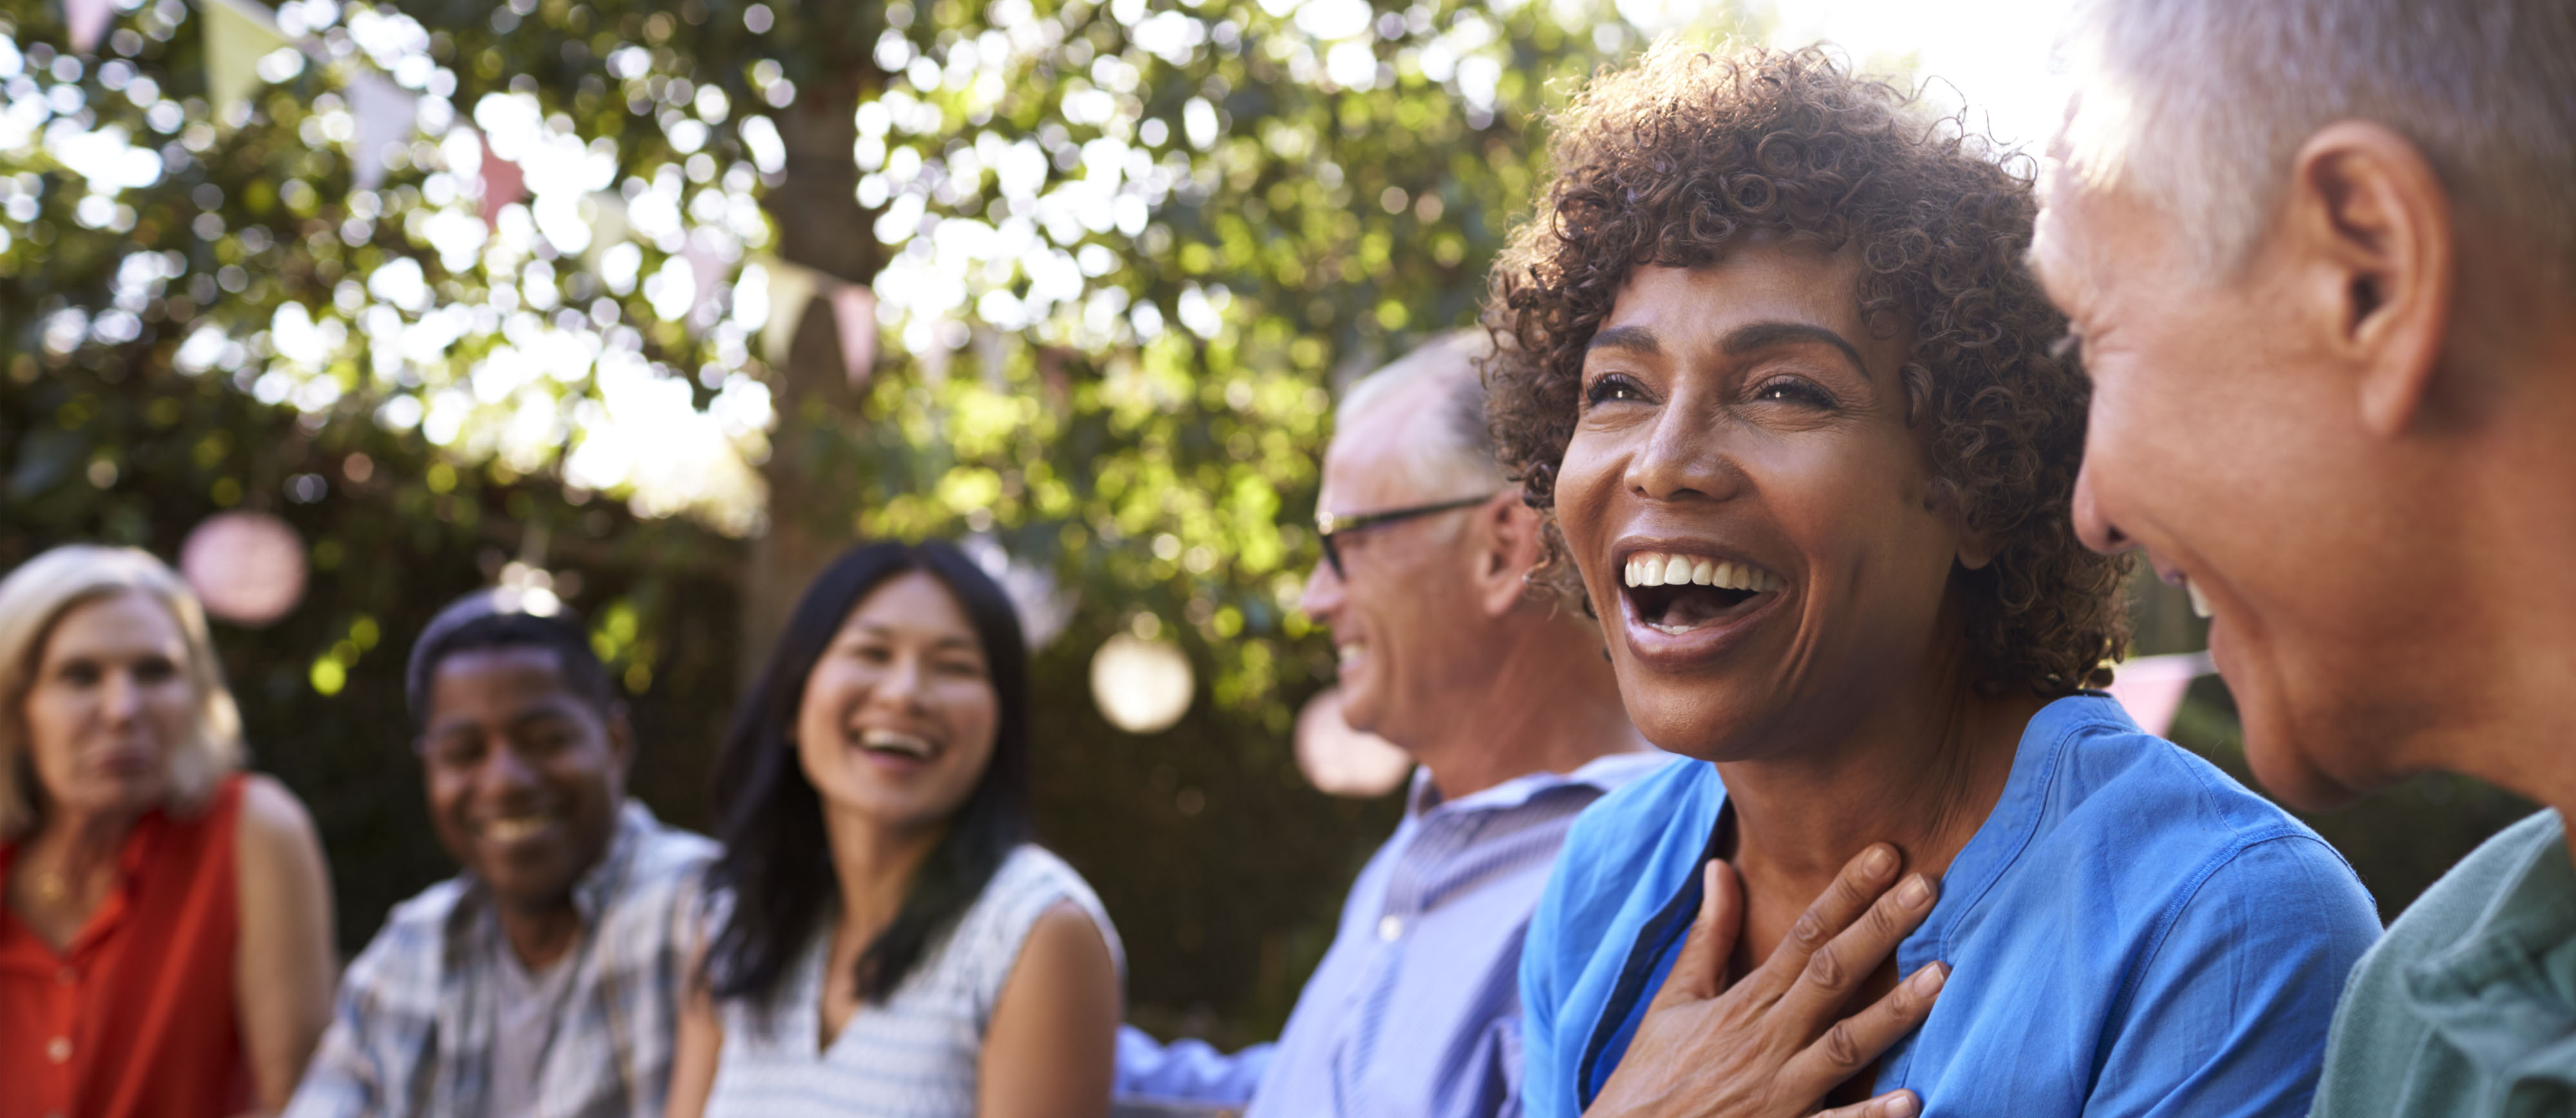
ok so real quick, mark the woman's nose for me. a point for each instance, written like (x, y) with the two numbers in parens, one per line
(120, 698)
(1683, 457)
(903, 683)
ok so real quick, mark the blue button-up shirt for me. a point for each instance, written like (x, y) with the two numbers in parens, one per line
(1414, 1010)
(2130, 932)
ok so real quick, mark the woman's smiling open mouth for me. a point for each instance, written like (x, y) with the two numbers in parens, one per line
(897, 745)
(1673, 593)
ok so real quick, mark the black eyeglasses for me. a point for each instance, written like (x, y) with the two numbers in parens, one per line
(1328, 525)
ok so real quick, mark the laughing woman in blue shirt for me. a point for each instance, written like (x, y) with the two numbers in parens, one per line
(1771, 361)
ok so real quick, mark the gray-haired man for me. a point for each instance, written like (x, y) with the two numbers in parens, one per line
(2321, 255)
(1501, 694)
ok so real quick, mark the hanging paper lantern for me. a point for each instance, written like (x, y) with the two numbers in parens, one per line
(1341, 761)
(1142, 685)
(246, 567)
(2151, 687)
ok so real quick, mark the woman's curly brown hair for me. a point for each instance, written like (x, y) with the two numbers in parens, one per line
(1675, 158)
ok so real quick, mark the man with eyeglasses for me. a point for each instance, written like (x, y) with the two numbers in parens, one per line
(1500, 692)
(544, 978)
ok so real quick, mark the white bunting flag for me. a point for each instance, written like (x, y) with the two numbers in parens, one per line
(705, 270)
(388, 116)
(87, 21)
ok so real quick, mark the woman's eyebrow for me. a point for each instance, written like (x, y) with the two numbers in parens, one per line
(1635, 339)
(1761, 335)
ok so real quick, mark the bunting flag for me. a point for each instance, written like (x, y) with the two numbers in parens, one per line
(854, 316)
(854, 312)
(2151, 687)
(608, 225)
(87, 21)
(388, 115)
(706, 269)
(790, 288)
(238, 34)
(503, 183)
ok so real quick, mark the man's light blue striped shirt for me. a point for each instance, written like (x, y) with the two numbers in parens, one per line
(1415, 1009)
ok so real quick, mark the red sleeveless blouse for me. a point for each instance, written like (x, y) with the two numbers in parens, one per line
(138, 1017)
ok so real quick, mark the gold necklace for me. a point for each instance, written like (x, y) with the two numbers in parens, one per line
(49, 888)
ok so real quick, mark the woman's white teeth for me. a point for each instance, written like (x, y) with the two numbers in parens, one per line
(893, 742)
(1656, 568)
(2199, 599)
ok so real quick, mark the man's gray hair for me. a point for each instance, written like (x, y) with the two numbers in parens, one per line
(2199, 106)
(1451, 452)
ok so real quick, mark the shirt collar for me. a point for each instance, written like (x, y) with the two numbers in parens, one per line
(2507, 989)
(2000, 840)
(1602, 774)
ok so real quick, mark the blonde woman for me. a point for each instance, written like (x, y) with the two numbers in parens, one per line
(165, 945)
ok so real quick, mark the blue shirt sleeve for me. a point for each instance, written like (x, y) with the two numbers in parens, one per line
(2229, 1014)
(1187, 1070)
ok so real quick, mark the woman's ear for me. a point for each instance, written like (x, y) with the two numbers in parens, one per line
(1975, 550)
(1977, 547)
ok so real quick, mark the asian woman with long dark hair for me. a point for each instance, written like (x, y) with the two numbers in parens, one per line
(883, 938)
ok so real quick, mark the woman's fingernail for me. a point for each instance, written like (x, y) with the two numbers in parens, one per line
(1915, 893)
(1902, 1106)
(1880, 862)
(1930, 979)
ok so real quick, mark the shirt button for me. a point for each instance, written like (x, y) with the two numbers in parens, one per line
(66, 977)
(59, 1049)
(1389, 927)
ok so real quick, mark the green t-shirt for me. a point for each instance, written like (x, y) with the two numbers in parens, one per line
(2468, 1005)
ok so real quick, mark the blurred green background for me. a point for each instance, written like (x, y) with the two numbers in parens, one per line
(1122, 255)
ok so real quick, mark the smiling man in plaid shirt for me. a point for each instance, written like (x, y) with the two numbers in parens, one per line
(543, 979)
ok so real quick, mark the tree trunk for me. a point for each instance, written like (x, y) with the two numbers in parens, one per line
(821, 227)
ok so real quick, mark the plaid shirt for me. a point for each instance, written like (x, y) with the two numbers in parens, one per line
(412, 1036)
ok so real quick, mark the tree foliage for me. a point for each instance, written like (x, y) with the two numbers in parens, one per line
(1123, 253)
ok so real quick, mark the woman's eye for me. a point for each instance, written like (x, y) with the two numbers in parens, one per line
(1612, 388)
(81, 674)
(964, 669)
(1795, 391)
(156, 670)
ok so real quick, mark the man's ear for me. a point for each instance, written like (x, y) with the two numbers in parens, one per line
(1509, 545)
(2375, 242)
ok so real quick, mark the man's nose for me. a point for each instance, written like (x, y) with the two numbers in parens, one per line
(2092, 524)
(1323, 593)
(504, 770)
